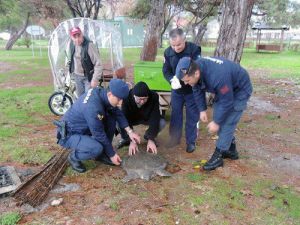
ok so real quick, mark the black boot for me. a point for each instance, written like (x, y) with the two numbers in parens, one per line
(231, 153)
(105, 159)
(190, 148)
(75, 164)
(122, 143)
(215, 161)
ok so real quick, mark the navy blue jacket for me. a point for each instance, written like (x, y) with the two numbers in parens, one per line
(88, 114)
(171, 61)
(227, 80)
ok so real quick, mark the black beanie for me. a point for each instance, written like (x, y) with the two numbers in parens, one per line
(141, 89)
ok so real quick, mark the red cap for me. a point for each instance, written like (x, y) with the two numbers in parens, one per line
(75, 30)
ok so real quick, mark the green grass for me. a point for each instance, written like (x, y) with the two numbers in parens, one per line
(21, 110)
(285, 64)
(10, 218)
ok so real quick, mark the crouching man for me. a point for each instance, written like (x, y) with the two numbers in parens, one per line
(232, 88)
(90, 125)
(142, 107)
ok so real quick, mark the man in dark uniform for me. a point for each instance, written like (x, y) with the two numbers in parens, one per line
(181, 94)
(232, 88)
(91, 122)
(142, 107)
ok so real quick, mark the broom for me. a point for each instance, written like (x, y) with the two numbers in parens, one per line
(34, 190)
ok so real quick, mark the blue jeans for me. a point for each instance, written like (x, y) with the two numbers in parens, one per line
(82, 84)
(192, 117)
(227, 128)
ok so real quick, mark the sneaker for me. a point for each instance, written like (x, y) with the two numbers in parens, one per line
(215, 161)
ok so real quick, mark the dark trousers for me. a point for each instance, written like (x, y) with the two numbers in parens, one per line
(124, 135)
(85, 146)
(228, 126)
(192, 117)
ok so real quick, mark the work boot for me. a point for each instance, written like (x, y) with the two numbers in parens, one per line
(215, 161)
(190, 148)
(105, 159)
(75, 164)
(122, 143)
(231, 153)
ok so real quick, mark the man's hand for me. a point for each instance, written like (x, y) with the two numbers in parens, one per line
(213, 127)
(116, 159)
(134, 137)
(94, 83)
(203, 117)
(151, 147)
(133, 148)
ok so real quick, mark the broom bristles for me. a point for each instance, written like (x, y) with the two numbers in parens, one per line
(34, 190)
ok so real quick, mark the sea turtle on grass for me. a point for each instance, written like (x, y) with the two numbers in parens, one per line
(144, 165)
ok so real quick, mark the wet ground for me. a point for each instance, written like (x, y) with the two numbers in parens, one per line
(269, 147)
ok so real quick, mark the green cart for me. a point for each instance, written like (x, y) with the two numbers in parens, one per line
(151, 74)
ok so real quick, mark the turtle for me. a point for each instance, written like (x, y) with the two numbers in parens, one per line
(144, 165)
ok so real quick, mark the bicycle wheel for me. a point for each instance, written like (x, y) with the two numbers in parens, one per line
(59, 103)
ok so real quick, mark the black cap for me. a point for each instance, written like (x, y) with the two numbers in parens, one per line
(141, 89)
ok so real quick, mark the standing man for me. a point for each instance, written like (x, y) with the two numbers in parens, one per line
(232, 88)
(85, 63)
(181, 94)
(88, 127)
(142, 107)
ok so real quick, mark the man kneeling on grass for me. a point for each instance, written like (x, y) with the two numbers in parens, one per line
(88, 127)
(142, 107)
(232, 88)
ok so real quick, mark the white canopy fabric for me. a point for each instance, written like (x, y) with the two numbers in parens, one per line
(104, 35)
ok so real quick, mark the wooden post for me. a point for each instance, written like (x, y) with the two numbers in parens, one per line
(281, 40)
(258, 39)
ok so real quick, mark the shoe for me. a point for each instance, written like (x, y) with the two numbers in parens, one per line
(231, 153)
(105, 160)
(171, 143)
(215, 161)
(190, 148)
(76, 165)
(122, 143)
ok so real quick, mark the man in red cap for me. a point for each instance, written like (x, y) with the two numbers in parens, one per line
(85, 63)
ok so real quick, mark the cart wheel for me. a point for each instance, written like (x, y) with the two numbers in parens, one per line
(59, 103)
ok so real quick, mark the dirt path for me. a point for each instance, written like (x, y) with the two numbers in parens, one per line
(269, 146)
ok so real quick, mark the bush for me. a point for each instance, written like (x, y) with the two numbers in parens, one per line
(24, 42)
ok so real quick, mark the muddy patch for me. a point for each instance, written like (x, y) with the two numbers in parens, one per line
(258, 105)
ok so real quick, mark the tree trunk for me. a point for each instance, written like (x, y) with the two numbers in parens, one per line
(233, 30)
(16, 35)
(200, 33)
(154, 27)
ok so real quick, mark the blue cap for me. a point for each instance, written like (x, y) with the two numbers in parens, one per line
(183, 65)
(118, 88)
